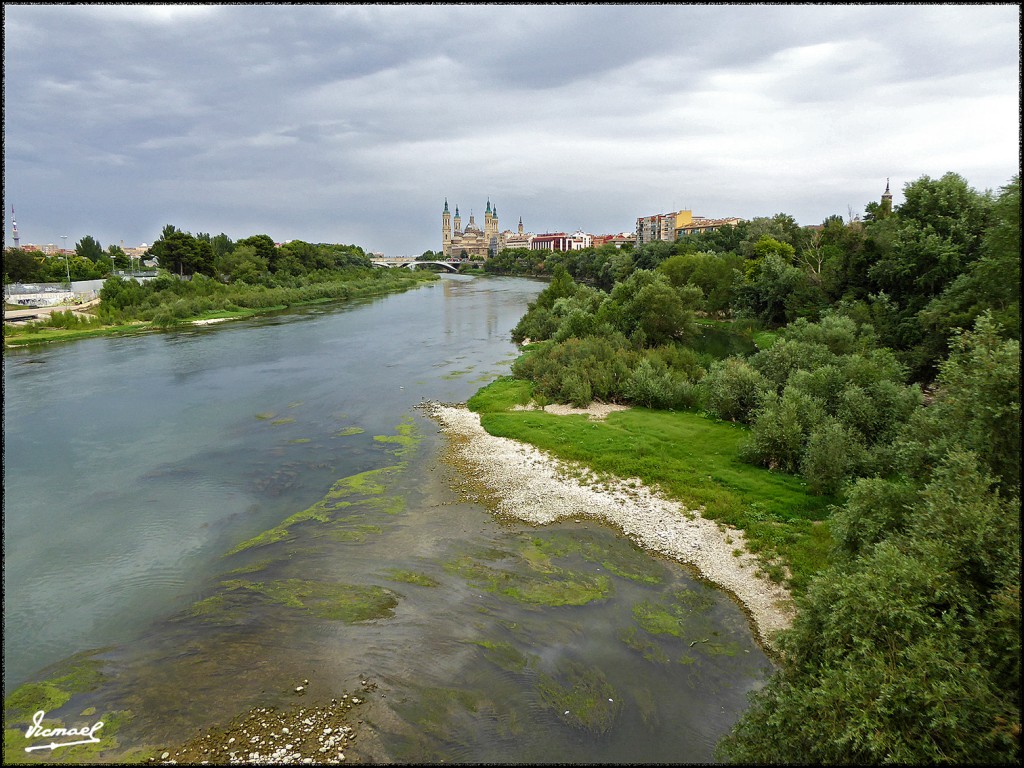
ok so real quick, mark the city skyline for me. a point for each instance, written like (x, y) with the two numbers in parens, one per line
(351, 123)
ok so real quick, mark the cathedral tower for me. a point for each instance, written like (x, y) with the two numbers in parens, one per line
(886, 208)
(446, 229)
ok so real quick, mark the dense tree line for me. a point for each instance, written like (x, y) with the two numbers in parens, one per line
(203, 273)
(254, 260)
(935, 263)
(894, 386)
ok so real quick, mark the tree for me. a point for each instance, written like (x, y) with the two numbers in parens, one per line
(176, 251)
(89, 248)
(776, 292)
(242, 265)
(991, 283)
(976, 407)
(118, 258)
(646, 307)
(715, 274)
(265, 249)
(21, 266)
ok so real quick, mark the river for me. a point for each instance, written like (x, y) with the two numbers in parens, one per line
(149, 482)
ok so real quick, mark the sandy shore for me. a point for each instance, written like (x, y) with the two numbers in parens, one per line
(532, 486)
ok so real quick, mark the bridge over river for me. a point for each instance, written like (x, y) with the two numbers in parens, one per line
(411, 263)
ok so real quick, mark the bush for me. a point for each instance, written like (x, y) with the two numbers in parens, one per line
(833, 454)
(574, 369)
(732, 390)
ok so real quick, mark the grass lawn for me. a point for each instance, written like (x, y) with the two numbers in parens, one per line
(691, 457)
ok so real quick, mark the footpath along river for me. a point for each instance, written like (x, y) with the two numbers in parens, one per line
(202, 521)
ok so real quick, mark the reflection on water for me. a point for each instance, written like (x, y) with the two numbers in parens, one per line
(197, 526)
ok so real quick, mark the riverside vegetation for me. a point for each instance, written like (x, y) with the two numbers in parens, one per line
(206, 278)
(884, 403)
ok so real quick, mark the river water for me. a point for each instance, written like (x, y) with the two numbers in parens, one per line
(149, 483)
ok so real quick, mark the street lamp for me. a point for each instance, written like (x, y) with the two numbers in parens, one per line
(67, 262)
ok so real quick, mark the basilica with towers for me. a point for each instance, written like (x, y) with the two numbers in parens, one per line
(473, 242)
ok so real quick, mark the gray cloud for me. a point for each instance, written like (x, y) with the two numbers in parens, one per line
(353, 123)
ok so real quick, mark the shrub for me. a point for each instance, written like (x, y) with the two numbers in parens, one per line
(732, 389)
(833, 454)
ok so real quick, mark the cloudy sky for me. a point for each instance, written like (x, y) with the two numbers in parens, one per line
(354, 123)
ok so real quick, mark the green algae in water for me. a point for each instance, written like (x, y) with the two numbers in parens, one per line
(15, 742)
(647, 648)
(505, 655)
(411, 577)
(407, 438)
(350, 603)
(357, 532)
(673, 617)
(432, 711)
(621, 557)
(554, 587)
(362, 484)
(391, 505)
(74, 676)
(300, 440)
(349, 431)
(586, 700)
(286, 420)
(266, 415)
(658, 620)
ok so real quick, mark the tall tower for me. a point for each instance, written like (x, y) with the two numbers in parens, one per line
(520, 225)
(491, 229)
(886, 208)
(458, 221)
(14, 230)
(446, 229)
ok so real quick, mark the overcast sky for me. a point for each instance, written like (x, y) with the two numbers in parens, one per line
(353, 124)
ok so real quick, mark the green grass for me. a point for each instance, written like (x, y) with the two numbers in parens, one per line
(692, 458)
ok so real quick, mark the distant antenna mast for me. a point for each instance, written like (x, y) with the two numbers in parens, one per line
(14, 227)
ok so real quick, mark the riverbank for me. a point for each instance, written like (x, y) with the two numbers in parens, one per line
(206, 310)
(319, 735)
(523, 482)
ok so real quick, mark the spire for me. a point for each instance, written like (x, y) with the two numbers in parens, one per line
(886, 207)
(446, 205)
(488, 205)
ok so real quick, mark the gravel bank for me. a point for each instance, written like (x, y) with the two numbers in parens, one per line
(528, 484)
(299, 735)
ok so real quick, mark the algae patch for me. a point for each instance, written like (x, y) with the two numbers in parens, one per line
(350, 603)
(349, 431)
(505, 655)
(75, 677)
(538, 584)
(586, 700)
(622, 557)
(411, 577)
(364, 484)
(407, 437)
